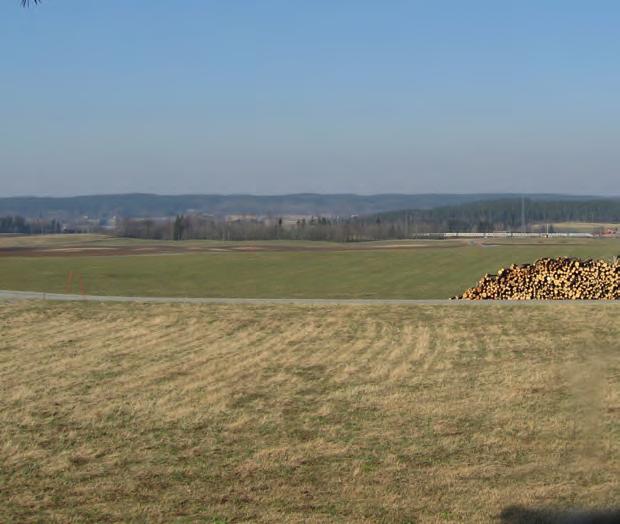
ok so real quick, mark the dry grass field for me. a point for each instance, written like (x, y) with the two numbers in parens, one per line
(178, 413)
(583, 227)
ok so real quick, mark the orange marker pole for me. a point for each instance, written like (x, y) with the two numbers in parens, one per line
(69, 283)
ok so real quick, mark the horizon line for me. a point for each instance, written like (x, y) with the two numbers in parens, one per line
(308, 193)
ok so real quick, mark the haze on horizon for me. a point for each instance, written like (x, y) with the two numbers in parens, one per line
(277, 97)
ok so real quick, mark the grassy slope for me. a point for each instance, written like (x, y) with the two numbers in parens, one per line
(586, 227)
(438, 272)
(297, 414)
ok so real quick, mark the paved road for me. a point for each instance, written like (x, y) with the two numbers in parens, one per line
(33, 295)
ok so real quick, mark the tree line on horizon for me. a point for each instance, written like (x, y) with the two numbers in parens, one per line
(18, 225)
(479, 217)
(508, 214)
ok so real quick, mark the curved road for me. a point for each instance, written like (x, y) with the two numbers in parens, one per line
(61, 297)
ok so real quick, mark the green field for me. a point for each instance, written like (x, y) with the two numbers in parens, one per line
(429, 269)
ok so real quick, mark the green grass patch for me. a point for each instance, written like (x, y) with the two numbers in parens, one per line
(440, 271)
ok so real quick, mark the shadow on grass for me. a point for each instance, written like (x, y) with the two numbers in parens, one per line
(521, 515)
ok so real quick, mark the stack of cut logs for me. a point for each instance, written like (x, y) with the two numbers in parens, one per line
(551, 279)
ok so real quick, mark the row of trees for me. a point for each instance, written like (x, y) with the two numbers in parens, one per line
(317, 228)
(481, 217)
(22, 226)
(509, 214)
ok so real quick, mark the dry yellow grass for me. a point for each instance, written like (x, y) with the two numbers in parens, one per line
(9, 241)
(583, 227)
(178, 413)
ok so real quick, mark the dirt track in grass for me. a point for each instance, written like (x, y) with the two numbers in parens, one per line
(164, 248)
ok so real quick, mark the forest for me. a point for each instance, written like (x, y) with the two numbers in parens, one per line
(510, 215)
(19, 225)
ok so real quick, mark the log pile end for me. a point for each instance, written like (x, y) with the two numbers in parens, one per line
(551, 279)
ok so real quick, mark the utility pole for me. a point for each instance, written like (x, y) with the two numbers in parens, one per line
(523, 226)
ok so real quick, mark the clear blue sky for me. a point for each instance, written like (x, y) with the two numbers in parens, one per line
(265, 96)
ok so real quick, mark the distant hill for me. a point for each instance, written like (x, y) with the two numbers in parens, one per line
(137, 205)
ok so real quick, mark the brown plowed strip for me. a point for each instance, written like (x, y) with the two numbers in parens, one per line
(80, 251)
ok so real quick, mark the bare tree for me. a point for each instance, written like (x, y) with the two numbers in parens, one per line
(26, 3)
